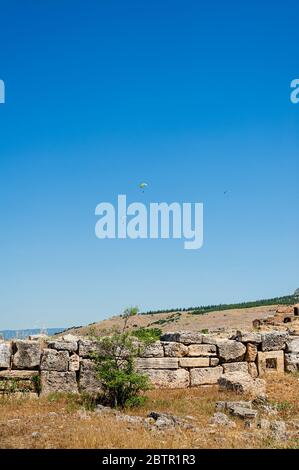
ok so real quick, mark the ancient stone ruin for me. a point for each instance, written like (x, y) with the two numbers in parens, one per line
(40, 366)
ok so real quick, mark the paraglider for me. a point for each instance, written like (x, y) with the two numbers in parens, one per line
(142, 186)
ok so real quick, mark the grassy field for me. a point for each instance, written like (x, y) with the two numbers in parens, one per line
(64, 422)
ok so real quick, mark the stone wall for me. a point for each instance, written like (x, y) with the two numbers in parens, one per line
(179, 360)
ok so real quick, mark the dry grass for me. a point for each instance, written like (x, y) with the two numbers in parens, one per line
(63, 422)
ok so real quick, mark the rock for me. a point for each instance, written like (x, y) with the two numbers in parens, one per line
(167, 420)
(194, 362)
(74, 363)
(222, 420)
(172, 379)
(251, 352)
(292, 345)
(252, 369)
(89, 347)
(59, 345)
(55, 360)
(89, 381)
(152, 350)
(263, 404)
(274, 340)
(27, 355)
(36, 434)
(263, 424)
(211, 339)
(184, 337)
(205, 376)
(214, 361)
(229, 405)
(175, 349)
(63, 382)
(231, 351)
(270, 362)
(278, 429)
(235, 367)
(249, 337)
(39, 337)
(242, 383)
(208, 350)
(157, 363)
(242, 412)
(5, 355)
(70, 338)
(291, 362)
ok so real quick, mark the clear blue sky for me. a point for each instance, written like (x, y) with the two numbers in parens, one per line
(190, 96)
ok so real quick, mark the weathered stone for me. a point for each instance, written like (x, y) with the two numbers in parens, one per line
(27, 355)
(274, 340)
(88, 347)
(211, 339)
(205, 376)
(252, 369)
(235, 367)
(222, 420)
(5, 355)
(242, 383)
(251, 352)
(229, 405)
(194, 362)
(278, 429)
(231, 351)
(291, 362)
(175, 349)
(185, 337)
(171, 379)
(242, 412)
(263, 424)
(55, 360)
(157, 363)
(292, 345)
(195, 350)
(74, 363)
(18, 374)
(70, 338)
(152, 350)
(63, 382)
(214, 361)
(59, 345)
(270, 362)
(89, 381)
(249, 337)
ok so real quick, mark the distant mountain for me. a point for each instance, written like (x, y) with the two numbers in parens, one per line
(22, 334)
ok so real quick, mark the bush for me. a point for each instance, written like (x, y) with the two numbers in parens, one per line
(148, 335)
(121, 384)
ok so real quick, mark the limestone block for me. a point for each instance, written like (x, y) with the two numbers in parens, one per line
(240, 382)
(27, 355)
(62, 382)
(60, 345)
(157, 363)
(214, 361)
(5, 355)
(88, 347)
(231, 351)
(194, 362)
(152, 350)
(252, 369)
(251, 352)
(89, 381)
(195, 350)
(292, 345)
(205, 376)
(175, 349)
(185, 337)
(55, 360)
(235, 367)
(270, 362)
(274, 340)
(291, 362)
(74, 363)
(249, 337)
(172, 379)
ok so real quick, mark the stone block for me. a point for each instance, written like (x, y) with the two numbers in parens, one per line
(205, 376)
(74, 363)
(194, 362)
(291, 362)
(89, 347)
(185, 337)
(169, 379)
(152, 350)
(251, 352)
(240, 382)
(202, 350)
(157, 363)
(55, 360)
(292, 345)
(5, 355)
(270, 362)
(89, 381)
(27, 354)
(252, 369)
(60, 345)
(231, 351)
(249, 337)
(175, 349)
(274, 340)
(61, 382)
(235, 367)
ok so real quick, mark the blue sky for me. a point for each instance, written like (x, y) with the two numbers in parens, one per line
(190, 96)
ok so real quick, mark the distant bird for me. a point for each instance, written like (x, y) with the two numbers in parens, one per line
(142, 186)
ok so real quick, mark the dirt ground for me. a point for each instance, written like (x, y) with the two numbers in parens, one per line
(175, 321)
(64, 422)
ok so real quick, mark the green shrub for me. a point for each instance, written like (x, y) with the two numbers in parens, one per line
(148, 335)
